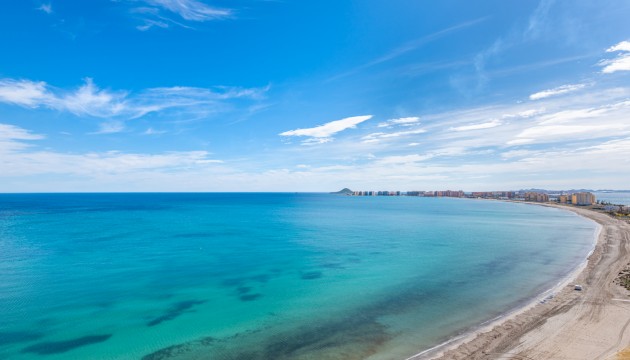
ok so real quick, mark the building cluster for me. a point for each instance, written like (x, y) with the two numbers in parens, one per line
(502, 195)
(579, 198)
(445, 193)
(499, 195)
(536, 197)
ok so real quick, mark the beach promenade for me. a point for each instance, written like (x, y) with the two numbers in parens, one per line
(590, 324)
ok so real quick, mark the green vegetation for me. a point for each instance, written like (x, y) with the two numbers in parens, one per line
(623, 279)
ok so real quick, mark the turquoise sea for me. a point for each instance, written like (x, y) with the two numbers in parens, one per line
(267, 276)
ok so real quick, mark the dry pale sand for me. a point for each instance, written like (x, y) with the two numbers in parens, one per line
(589, 324)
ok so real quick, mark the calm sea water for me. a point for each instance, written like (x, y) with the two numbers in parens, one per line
(266, 276)
(620, 198)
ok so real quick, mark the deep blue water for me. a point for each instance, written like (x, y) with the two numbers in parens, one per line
(266, 276)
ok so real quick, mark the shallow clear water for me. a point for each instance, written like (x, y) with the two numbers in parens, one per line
(266, 276)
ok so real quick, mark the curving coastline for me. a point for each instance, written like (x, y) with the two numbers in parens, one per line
(591, 324)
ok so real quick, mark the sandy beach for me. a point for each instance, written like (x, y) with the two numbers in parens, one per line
(590, 324)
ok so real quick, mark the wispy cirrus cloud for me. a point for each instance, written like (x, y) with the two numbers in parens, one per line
(323, 133)
(46, 7)
(557, 91)
(404, 121)
(485, 125)
(410, 46)
(191, 10)
(403, 159)
(621, 62)
(379, 136)
(13, 138)
(91, 101)
(20, 157)
(159, 13)
(602, 121)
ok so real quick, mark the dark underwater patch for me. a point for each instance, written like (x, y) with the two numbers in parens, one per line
(263, 278)
(233, 282)
(177, 350)
(57, 347)
(311, 275)
(13, 337)
(249, 297)
(356, 336)
(174, 311)
(243, 290)
(333, 266)
(496, 266)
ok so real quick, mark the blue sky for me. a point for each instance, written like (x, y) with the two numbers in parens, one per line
(265, 95)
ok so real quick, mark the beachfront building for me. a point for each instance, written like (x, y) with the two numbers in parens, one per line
(536, 197)
(583, 199)
(501, 195)
(444, 193)
(563, 199)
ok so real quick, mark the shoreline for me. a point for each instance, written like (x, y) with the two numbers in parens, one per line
(531, 330)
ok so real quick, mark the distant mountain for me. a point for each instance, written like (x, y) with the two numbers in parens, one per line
(344, 191)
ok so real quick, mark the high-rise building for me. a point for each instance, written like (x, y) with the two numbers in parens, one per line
(583, 198)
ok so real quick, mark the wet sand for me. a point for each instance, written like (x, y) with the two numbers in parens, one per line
(590, 324)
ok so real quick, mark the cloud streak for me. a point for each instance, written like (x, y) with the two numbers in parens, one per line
(158, 13)
(323, 133)
(564, 89)
(46, 7)
(378, 136)
(410, 46)
(621, 62)
(486, 125)
(405, 121)
(191, 10)
(89, 100)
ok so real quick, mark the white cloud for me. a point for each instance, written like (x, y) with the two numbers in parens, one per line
(12, 138)
(46, 7)
(152, 131)
(405, 121)
(403, 159)
(556, 91)
(525, 114)
(323, 133)
(515, 142)
(148, 24)
(19, 160)
(621, 62)
(110, 127)
(378, 136)
(159, 13)
(486, 125)
(578, 124)
(622, 46)
(90, 100)
(23, 92)
(12, 132)
(539, 132)
(191, 10)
